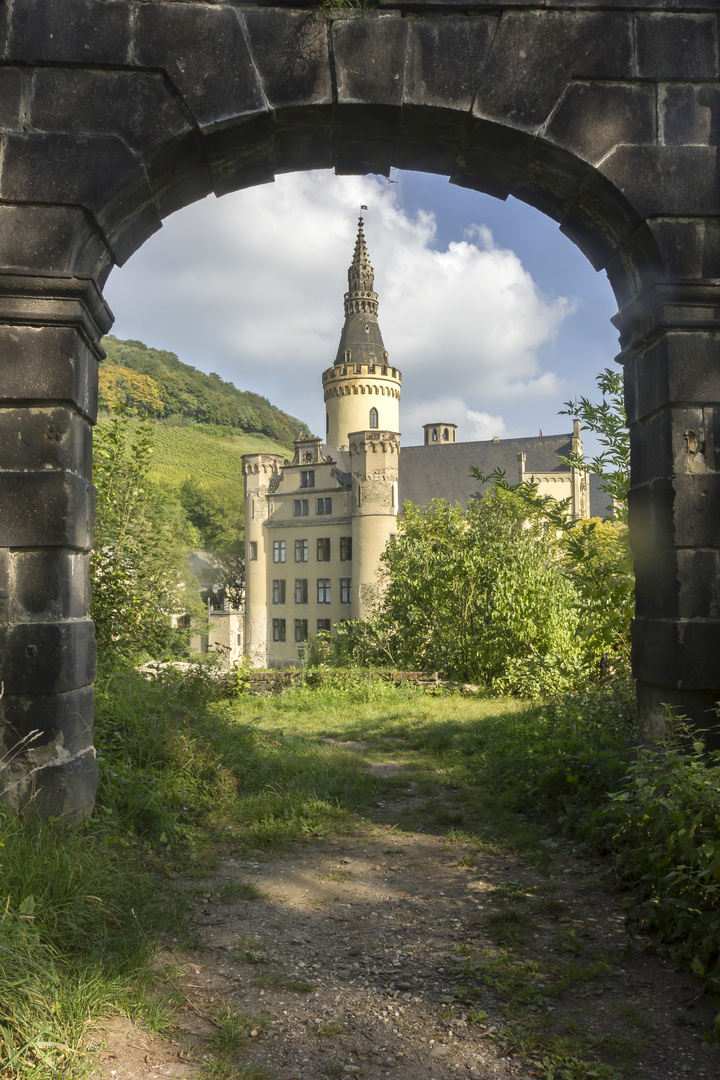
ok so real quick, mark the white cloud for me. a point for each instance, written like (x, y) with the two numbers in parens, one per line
(251, 286)
(471, 425)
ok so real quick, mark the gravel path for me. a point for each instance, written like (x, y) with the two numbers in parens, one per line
(408, 956)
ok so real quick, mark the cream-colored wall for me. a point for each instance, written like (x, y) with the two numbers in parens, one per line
(259, 470)
(283, 525)
(350, 395)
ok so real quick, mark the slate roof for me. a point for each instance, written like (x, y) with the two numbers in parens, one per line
(442, 471)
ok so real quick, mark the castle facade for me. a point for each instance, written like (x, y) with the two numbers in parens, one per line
(316, 526)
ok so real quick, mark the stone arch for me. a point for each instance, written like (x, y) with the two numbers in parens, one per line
(116, 114)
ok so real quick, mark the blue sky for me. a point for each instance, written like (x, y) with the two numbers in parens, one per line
(493, 316)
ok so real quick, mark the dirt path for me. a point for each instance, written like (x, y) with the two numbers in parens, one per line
(405, 955)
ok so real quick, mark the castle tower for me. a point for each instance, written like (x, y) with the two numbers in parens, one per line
(362, 390)
(374, 457)
(261, 472)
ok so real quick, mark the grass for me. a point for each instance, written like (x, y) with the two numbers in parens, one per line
(183, 771)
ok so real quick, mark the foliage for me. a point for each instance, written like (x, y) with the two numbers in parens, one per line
(599, 563)
(663, 826)
(134, 392)
(217, 511)
(138, 567)
(607, 419)
(184, 391)
(477, 594)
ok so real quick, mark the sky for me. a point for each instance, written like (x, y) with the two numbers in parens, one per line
(493, 316)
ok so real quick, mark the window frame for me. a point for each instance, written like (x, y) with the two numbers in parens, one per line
(323, 545)
(301, 507)
(345, 590)
(301, 630)
(302, 547)
(307, 478)
(279, 630)
(279, 591)
(279, 551)
(324, 590)
(301, 590)
(345, 548)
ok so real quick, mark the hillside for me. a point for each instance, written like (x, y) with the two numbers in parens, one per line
(156, 382)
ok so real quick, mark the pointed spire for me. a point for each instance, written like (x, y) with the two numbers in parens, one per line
(361, 338)
(360, 296)
(361, 274)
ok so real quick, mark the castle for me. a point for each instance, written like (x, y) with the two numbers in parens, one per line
(316, 526)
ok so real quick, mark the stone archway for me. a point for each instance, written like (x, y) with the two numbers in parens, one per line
(114, 113)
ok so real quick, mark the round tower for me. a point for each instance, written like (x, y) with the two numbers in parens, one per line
(362, 389)
(260, 472)
(374, 461)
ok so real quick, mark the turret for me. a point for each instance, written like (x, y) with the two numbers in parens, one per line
(374, 461)
(261, 472)
(362, 389)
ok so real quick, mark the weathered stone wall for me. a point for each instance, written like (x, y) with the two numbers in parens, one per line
(114, 113)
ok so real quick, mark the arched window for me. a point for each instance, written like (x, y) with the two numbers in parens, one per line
(434, 435)
(446, 435)
(373, 418)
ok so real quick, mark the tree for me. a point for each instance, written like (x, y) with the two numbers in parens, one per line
(138, 566)
(478, 594)
(598, 556)
(607, 419)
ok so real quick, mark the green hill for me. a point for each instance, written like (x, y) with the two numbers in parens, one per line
(156, 382)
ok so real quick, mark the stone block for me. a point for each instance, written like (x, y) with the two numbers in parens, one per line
(535, 54)
(98, 172)
(50, 585)
(241, 155)
(137, 106)
(682, 584)
(61, 722)
(676, 652)
(491, 158)
(690, 247)
(303, 138)
(51, 363)
(664, 180)
(698, 706)
(594, 117)
(688, 114)
(46, 509)
(678, 511)
(46, 438)
(675, 46)
(10, 97)
(369, 59)
(71, 32)
(47, 658)
(64, 791)
(51, 239)
(679, 367)
(429, 79)
(290, 52)
(203, 50)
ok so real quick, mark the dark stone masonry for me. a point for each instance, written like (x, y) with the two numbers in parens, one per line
(114, 113)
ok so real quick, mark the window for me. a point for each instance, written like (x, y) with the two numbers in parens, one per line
(323, 626)
(301, 591)
(345, 548)
(323, 590)
(358, 369)
(301, 629)
(278, 551)
(252, 554)
(307, 478)
(446, 434)
(300, 508)
(324, 506)
(239, 641)
(373, 418)
(278, 629)
(278, 591)
(345, 590)
(301, 551)
(323, 549)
